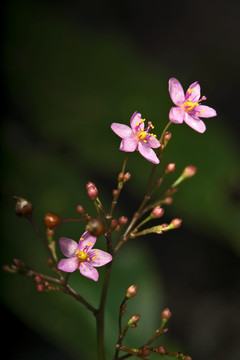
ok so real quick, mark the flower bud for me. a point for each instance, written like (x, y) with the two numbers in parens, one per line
(145, 351)
(176, 223)
(22, 207)
(52, 221)
(40, 287)
(167, 137)
(114, 223)
(95, 227)
(157, 212)
(37, 278)
(121, 176)
(166, 314)
(160, 350)
(90, 184)
(127, 177)
(123, 220)
(92, 192)
(133, 320)
(80, 209)
(170, 168)
(168, 200)
(131, 291)
(187, 357)
(189, 171)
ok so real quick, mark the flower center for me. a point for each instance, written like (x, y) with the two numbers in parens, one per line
(144, 134)
(189, 105)
(82, 255)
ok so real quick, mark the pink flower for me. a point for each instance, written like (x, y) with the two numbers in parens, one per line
(137, 137)
(81, 256)
(188, 107)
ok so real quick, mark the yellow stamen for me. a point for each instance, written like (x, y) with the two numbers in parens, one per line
(189, 105)
(82, 255)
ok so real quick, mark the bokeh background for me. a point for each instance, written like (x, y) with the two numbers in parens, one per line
(70, 69)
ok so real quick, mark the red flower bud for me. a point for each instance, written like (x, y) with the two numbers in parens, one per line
(157, 212)
(189, 171)
(170, 168)
(80, 209)
(176, 223)
(92, 192)
(131, 291)
(166, 314)
(161, 350)
(123, 220)
(40, 287)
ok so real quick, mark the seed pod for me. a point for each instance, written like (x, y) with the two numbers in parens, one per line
(95, 227)
(22, 207)
(52, 221)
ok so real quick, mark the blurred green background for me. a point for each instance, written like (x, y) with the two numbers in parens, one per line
(70, 69)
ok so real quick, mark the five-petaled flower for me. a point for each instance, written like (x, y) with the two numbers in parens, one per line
(81, 256)
(188, 107)
(137, 137)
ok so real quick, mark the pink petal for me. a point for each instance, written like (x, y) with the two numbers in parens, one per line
(135, 119)
(153, 142)
(128, 144)
(176, 115)
(194, 91)
(122, 130)
(68, 246)
(68, 265)
(205, 111)
(101, 258)
(86, 240)
(89, 271)
(195, 123)
(176, 91)
(148, 153)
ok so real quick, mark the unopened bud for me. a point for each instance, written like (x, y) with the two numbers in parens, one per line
(170, 168)
(80, 209)
(131, 291)
(95, 227)
(37, 278)
(92, 192)
(168, 200)
(115, 192)
(121, 176)
(133, 320)
(114, 223)
(52, 221)
(157, 212)
(166, 314)
(123, 220)
(90, 184)
(172, 190)
(146, 351)
(187, 357)
(176, 223)
(127, 177)
(189, 171)
(22, 207)
(40, 287)
(160, 350)
(167, 137)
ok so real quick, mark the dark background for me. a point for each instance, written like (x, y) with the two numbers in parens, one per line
(125, 51)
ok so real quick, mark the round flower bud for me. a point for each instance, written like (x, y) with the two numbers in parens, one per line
(157, 212)
(167, 136)
(170, 168)
(92, 192)
(168, 200)
(189, 171)
(187, 357)
(123, 220)
(90, 184)
(176, 223)
(37, 278)
(131, 291)
(146, 352)
(40, 287)
(80, 209)
(52, 221)
(95, 227)
(22, 207)
(133, 319)
(121, 176)
(161, 350)
(166, 314)
(127, 177)
(114, 223)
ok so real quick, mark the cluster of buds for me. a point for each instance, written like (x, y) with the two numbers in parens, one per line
(41, 284)
(17, 267)
(117, 224)
(124, 177)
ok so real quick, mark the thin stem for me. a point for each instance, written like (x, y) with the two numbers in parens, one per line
(120, 186)
(72, 219)
(72, 292)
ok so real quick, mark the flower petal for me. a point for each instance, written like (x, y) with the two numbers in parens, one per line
(135, 119)
(101, 258)
(176, 91)
(176, 115)
(86, 240)
(122, 130)
(153, 142)
(205, 111)
(148, 153)
(195, 123)
(68, 265)
(68, 246)
(89, 271)
(194, 91)
(128, 144)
